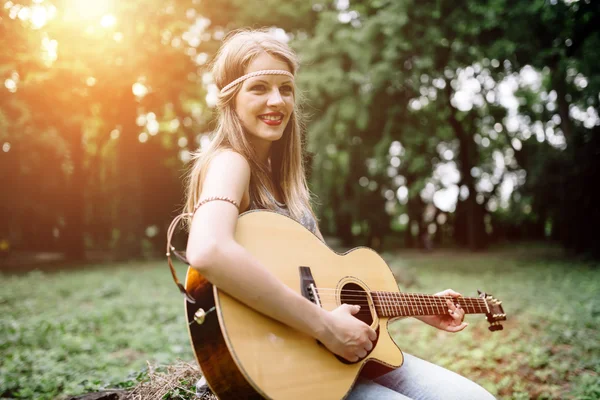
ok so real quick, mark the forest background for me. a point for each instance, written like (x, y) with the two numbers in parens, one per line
(465, 125)
(458, 124)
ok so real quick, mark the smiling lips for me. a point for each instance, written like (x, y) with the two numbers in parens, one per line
(272, 119)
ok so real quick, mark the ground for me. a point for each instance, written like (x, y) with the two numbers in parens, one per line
(70, 331)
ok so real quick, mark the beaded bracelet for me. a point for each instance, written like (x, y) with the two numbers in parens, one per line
(215, 198)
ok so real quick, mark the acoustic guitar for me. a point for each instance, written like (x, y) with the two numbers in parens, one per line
(244, 354)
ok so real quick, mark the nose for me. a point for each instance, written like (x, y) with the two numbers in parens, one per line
(275, 99)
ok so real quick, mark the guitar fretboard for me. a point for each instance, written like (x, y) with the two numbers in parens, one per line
(389, 304)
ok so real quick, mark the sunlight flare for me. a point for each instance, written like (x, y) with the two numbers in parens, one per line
(90, 10)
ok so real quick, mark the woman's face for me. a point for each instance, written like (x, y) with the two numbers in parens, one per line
(265, 103)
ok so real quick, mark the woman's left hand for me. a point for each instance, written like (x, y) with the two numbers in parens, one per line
(451, 322)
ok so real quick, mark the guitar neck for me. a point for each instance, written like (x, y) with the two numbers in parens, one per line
(389, 304)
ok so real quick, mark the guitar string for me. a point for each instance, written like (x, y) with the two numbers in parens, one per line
(366, 305)
(394, 293)
(420, 301)
(386, 305)
(412, 300)
(411, 304)
(384, 313)
(426, 299)
(401, 295)
(412, 311)
(468, 310)
(388, 302)
(381, 291)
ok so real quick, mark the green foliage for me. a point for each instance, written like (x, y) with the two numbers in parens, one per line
(82, 96)
(373, 73)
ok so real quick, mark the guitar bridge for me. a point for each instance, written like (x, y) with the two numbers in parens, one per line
(314, 296)
(308, 286)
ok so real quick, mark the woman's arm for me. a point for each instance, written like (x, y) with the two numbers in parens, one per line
(213, 251)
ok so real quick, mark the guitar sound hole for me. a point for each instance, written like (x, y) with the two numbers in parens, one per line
(354, 294)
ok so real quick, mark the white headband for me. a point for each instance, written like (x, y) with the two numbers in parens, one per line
(257, 73)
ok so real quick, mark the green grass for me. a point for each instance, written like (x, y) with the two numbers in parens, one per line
(78, 331)
(549, 348)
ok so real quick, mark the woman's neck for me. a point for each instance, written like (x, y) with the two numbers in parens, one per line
(262, 149)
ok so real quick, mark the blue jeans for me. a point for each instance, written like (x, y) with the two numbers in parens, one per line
(418, 380)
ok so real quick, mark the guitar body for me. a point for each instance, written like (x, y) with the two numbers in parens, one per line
(244, 354)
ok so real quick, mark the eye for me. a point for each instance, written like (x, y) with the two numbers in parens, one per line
(286, 89)
(257, 88)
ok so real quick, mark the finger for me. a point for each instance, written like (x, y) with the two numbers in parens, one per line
(372, 334)
(354, 309)
(456, 313)
(457, 328)
(453, 293)
(455, 317)
(451, 306)
(369, 346)
(351, 358)
(361, 353)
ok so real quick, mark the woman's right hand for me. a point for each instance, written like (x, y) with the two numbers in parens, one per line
(346, 335)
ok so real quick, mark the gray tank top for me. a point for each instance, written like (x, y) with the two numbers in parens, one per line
(307, 220)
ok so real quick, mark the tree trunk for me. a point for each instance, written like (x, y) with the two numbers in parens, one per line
(74, 198)
(128, 196)
(474, 233)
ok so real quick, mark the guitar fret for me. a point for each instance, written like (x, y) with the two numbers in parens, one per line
(418, 303)
(399, 303)
(409, 305)
(414, 305)
(389, 304)
(384, 301)
(404, 305)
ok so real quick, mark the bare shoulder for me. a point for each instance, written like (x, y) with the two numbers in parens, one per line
(230, 159)
(227, 174)
(230, 165)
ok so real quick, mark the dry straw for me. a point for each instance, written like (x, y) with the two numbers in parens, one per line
(170, 379)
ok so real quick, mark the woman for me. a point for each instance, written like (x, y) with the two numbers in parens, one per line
(255, 161)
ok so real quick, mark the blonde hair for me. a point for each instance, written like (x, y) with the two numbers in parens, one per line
(287, 168)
